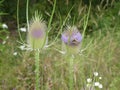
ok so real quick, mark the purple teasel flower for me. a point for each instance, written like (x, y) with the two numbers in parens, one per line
(37, 33)
(71, 36)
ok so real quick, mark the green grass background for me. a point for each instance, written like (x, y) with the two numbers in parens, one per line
(101, 53)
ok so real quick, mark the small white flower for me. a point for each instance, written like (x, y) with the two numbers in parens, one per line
(15, 53)
(7, 37)
(96, 83)
(23, 29)
(3, 42)
(100, 77)
(100, 86)
(4, 26)
(22, 47)
(89, 80)
(119, 13)
(95, 73)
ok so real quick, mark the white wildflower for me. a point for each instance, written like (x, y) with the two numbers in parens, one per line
(96, 83)
(3, 42)
(7, 37)
(23, 29)
(89, 80)
(4, 26)
(95, 73)
(15, 53)
(100, 86)
(22, 47)
(100, 77)
(119, 13)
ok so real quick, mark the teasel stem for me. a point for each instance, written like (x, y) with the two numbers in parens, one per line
(71, 79)
(37, 70)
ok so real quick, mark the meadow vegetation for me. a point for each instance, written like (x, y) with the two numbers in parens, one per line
(97, 65)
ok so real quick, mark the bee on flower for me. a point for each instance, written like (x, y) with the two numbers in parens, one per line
(71, 39)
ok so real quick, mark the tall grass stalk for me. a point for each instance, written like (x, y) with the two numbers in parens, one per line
(86, 21)
(51, 17)
(18, 27)
(50, 21)
(27, 19)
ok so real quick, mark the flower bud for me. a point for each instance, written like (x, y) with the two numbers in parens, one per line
(37, 33)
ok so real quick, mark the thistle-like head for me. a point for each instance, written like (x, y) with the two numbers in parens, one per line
(37, 32)
(72, 38)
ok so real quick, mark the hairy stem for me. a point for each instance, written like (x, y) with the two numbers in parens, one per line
(71, 84)
(37, 70)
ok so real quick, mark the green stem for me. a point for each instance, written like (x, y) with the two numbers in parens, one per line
(27, 19)
(51, 17)
(18, 27)
(71, 84)
(37, 70)
(86, 17)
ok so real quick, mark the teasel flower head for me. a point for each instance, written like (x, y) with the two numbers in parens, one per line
(37, 32)
(71, 38)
